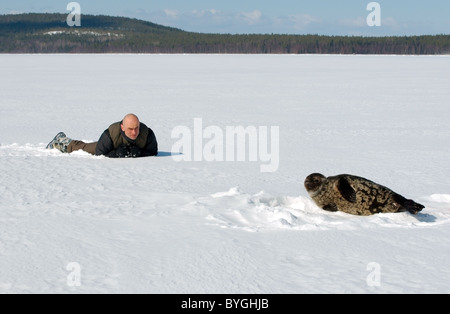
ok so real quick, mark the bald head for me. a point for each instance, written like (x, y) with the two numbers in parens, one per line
(130, 126)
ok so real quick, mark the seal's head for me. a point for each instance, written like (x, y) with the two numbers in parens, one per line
(313, 182)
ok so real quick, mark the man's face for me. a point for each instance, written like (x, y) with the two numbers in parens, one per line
(130, 126)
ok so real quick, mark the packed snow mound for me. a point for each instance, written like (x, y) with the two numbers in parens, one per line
(38, 150)
(236, 209)
(440, 198)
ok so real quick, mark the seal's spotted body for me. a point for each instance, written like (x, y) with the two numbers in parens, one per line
(356, 195)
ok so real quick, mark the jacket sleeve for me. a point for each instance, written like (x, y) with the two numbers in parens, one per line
(105, 146)
(151, 149)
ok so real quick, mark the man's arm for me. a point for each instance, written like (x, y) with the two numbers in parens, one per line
(151, 149)
(105, 147)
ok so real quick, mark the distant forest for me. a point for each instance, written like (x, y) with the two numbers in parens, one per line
(49, 33)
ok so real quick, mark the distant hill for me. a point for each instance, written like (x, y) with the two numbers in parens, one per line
(49, 33)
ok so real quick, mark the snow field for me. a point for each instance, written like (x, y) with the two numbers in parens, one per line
(155, 225)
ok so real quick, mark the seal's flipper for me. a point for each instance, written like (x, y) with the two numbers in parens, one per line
(346, 190)
(330, 207)
(413, 207)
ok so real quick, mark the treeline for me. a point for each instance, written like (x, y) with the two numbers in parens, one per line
(49, 33)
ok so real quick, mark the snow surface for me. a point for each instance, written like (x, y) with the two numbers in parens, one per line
(83, 224)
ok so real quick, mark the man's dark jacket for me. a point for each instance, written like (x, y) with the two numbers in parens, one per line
(115, 144)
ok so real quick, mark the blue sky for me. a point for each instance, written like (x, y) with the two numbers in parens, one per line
(325, 17)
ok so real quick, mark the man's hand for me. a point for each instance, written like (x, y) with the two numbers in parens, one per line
(135, 151)
(122, 151)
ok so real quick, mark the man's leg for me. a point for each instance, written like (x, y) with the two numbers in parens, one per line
(79, 145)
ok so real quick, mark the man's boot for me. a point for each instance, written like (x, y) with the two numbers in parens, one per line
(60, 142)
(55, 139)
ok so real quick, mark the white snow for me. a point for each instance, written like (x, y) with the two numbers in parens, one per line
(84, 33)
(83, 224)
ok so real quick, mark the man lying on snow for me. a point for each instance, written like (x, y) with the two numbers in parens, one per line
(128, 138)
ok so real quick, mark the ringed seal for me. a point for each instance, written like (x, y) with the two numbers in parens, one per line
(356, 195)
